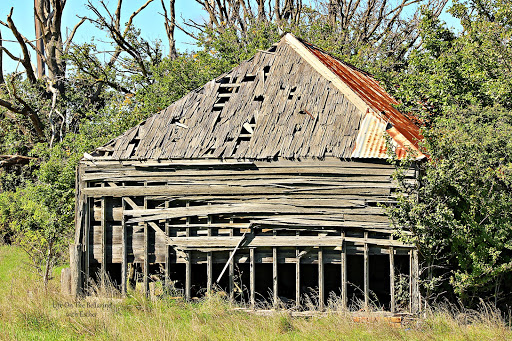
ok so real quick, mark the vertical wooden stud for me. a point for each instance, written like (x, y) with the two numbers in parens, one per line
(146, 252)
(392, 278)
(274, 277)
(297, 274)
(414, 304)
(366, 273)
(188, 274)
(188, 261)
(344, 294)
(124, 265)
(209, 260)
(87, 243)
(167, 251)
(231, 276)
(321, 295)
(103, 269)
(252, 279)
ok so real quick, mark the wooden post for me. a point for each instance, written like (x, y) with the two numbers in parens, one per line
(392, 278)
(231, 276)
(344, 295)
(87, 242)
(103, 269)
(274, 277)
(252, 279)
(124, 264)
(366, 273)
(188, 260)
(209, 260)
(146, 252)
(167, 251)
(297, 276)
(188, 274)
(321, 294)
(414, 303)
(74, 262)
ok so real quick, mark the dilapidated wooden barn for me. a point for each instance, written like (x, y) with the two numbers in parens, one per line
(265, 183)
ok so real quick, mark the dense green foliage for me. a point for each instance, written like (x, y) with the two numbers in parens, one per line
(459, 85)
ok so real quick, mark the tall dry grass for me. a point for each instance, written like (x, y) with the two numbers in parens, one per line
(28, 312)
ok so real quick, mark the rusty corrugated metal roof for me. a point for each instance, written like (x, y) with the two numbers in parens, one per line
(405, 133)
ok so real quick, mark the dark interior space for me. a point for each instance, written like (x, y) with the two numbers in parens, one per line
(242, 282)
(199, 280)
(286, 282)
(308, 283)
(332, 280)
(355, 279)
(263, 275)
(379, 281)
(223, 284)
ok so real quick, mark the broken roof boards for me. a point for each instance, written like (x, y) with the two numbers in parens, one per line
(293, 101)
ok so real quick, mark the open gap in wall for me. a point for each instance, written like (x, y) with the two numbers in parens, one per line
(379, 281)
(199, 281)
(241, 283)
(309, 285)
(286, 283)
(332, 283)
(264, 284)
(355, 278)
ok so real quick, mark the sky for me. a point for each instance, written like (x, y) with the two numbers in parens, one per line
(150, 21)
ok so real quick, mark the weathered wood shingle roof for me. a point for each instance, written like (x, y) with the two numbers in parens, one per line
(292, 101)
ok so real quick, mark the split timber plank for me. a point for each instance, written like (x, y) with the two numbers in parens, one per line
(248, 171)
(204, 210)
(230, 190)
(280, 241)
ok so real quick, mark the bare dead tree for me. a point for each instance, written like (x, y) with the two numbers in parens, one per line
(2, 80)
(170, 25)
(49, 49)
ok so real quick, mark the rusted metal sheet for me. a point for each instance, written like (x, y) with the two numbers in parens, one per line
(371, 143)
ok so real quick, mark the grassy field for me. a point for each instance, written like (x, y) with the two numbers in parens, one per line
(27, 312)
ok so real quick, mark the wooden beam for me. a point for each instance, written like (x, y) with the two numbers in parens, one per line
(229, 242)
(124, 264)
(321, 294)
(252, 277)
(344, 296)
(366, 274)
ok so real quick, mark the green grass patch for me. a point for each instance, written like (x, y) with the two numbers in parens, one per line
(28, 312)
